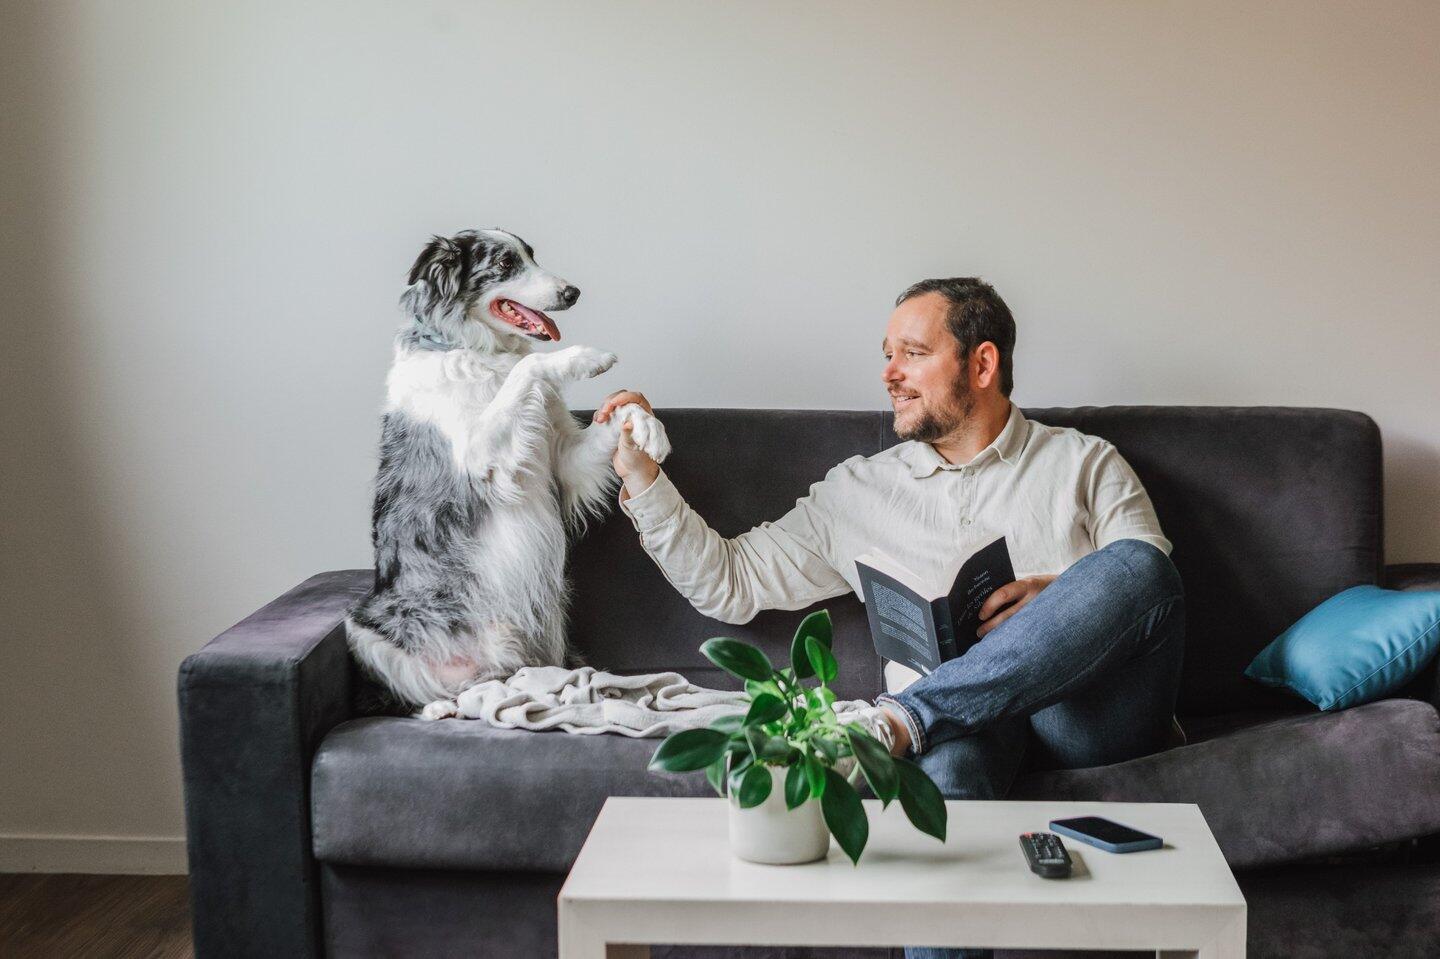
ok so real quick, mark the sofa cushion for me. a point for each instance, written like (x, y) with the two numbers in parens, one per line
(462, 794)
(1290, 789)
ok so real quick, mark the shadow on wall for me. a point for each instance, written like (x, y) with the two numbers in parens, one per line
(71, 682)
(1412, 488)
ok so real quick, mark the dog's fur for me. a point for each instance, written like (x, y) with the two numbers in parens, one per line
(483, 473)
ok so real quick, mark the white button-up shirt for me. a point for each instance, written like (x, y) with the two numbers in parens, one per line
(1055, 493)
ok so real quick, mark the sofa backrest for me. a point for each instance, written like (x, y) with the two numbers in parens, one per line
(1271, 510)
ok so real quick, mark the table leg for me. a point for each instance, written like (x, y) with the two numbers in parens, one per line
(1229, 944)
(580, 940)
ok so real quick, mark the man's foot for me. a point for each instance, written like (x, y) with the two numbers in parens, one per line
(886, 727)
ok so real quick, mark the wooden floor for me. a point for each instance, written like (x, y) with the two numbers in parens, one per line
(94, 917)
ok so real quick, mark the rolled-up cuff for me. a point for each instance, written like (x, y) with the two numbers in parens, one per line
(918, 743)
(655, 504)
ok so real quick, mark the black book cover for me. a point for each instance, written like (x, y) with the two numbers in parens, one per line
(909, 627)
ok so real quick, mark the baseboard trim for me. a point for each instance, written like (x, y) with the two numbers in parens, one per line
(103, 855)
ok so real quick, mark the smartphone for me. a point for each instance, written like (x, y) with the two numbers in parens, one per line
(1106, 835)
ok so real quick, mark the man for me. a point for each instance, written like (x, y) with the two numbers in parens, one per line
(1078, 660)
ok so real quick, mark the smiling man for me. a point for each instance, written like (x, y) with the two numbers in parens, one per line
(1078, 660)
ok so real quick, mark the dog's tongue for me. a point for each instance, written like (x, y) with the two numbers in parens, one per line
(535, 316)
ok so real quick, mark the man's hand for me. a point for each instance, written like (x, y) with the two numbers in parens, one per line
(634, 467)
(620, 398)
(1008, 600)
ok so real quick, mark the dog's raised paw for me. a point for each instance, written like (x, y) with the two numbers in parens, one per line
(657, 444)
(581, 362)
(441, 709)
(646, 431)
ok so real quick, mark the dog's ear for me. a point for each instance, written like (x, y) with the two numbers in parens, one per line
(437, 278)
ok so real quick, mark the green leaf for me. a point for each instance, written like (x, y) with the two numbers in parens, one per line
(921, 799)
(738, 768)
(737, 658)
(765, 709)
(715, 775)
(689, 749)
(754, 786)
(797, 790)
(818, 625)
(814, 775)
(845, 815)
(728, 724)
(828, 747)
(821, 659)
(765, 746)
(876, 763)
(759, 689)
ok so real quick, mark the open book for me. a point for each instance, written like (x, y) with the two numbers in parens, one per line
(919, 623)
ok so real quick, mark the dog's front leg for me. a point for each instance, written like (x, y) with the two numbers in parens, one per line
(515, 426)
(583, 467)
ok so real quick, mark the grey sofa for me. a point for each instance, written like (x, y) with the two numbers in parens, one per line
(317, 828)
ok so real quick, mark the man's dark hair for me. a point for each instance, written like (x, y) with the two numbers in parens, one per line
(976, 314)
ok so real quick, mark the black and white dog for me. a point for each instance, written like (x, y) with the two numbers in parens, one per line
(483, 474)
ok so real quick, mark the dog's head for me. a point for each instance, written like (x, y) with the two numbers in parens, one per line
(483, 289)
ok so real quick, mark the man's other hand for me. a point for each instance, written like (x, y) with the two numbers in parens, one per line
(1008, 600)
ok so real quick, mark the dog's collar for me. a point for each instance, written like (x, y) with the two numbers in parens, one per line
(426, 339)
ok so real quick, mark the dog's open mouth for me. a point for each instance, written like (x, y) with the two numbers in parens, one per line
(528, 321)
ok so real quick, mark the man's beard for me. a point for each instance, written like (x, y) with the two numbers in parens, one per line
(932, 425)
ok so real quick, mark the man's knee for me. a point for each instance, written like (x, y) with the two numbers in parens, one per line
(1149, 565)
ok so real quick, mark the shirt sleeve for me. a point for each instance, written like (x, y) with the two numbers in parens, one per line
(1117, 504)
(777, 565)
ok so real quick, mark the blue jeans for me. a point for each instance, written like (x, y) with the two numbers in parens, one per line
(1083, 675)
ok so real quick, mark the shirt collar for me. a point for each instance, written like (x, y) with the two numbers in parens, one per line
(924, 460)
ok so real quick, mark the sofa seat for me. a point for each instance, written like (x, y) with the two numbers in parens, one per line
(1287, 790)
(461, 794)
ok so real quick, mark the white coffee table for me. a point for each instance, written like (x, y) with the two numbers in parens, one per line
(659, 870)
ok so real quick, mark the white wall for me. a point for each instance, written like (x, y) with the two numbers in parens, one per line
(209, 209)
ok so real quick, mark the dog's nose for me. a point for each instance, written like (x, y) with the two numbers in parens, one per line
(569, 295)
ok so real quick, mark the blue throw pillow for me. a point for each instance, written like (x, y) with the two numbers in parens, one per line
(1355, 647)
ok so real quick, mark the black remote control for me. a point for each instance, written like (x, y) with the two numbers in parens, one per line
(1046, 854)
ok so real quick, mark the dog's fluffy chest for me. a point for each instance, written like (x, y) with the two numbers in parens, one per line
(449, 390)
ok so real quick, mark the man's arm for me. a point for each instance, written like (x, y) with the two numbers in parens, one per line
(1117, 505)
(779, 565)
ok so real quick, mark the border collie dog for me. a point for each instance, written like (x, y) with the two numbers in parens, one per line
(483, 475)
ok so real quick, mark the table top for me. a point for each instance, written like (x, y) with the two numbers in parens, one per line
(668, 850)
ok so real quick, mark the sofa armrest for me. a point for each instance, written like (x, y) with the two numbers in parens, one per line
(1409, 576)
(254, 704)
(1418, 576)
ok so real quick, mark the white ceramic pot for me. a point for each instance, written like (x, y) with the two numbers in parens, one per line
(770, 833)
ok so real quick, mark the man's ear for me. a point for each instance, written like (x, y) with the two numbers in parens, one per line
(985, 365)
(434, 279)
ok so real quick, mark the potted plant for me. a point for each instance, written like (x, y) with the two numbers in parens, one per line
(789, 765)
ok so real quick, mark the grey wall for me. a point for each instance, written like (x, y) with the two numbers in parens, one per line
(209, 208)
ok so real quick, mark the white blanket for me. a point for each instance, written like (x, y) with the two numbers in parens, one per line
(587, 700)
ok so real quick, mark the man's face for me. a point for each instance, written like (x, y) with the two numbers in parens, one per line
(926, 377)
